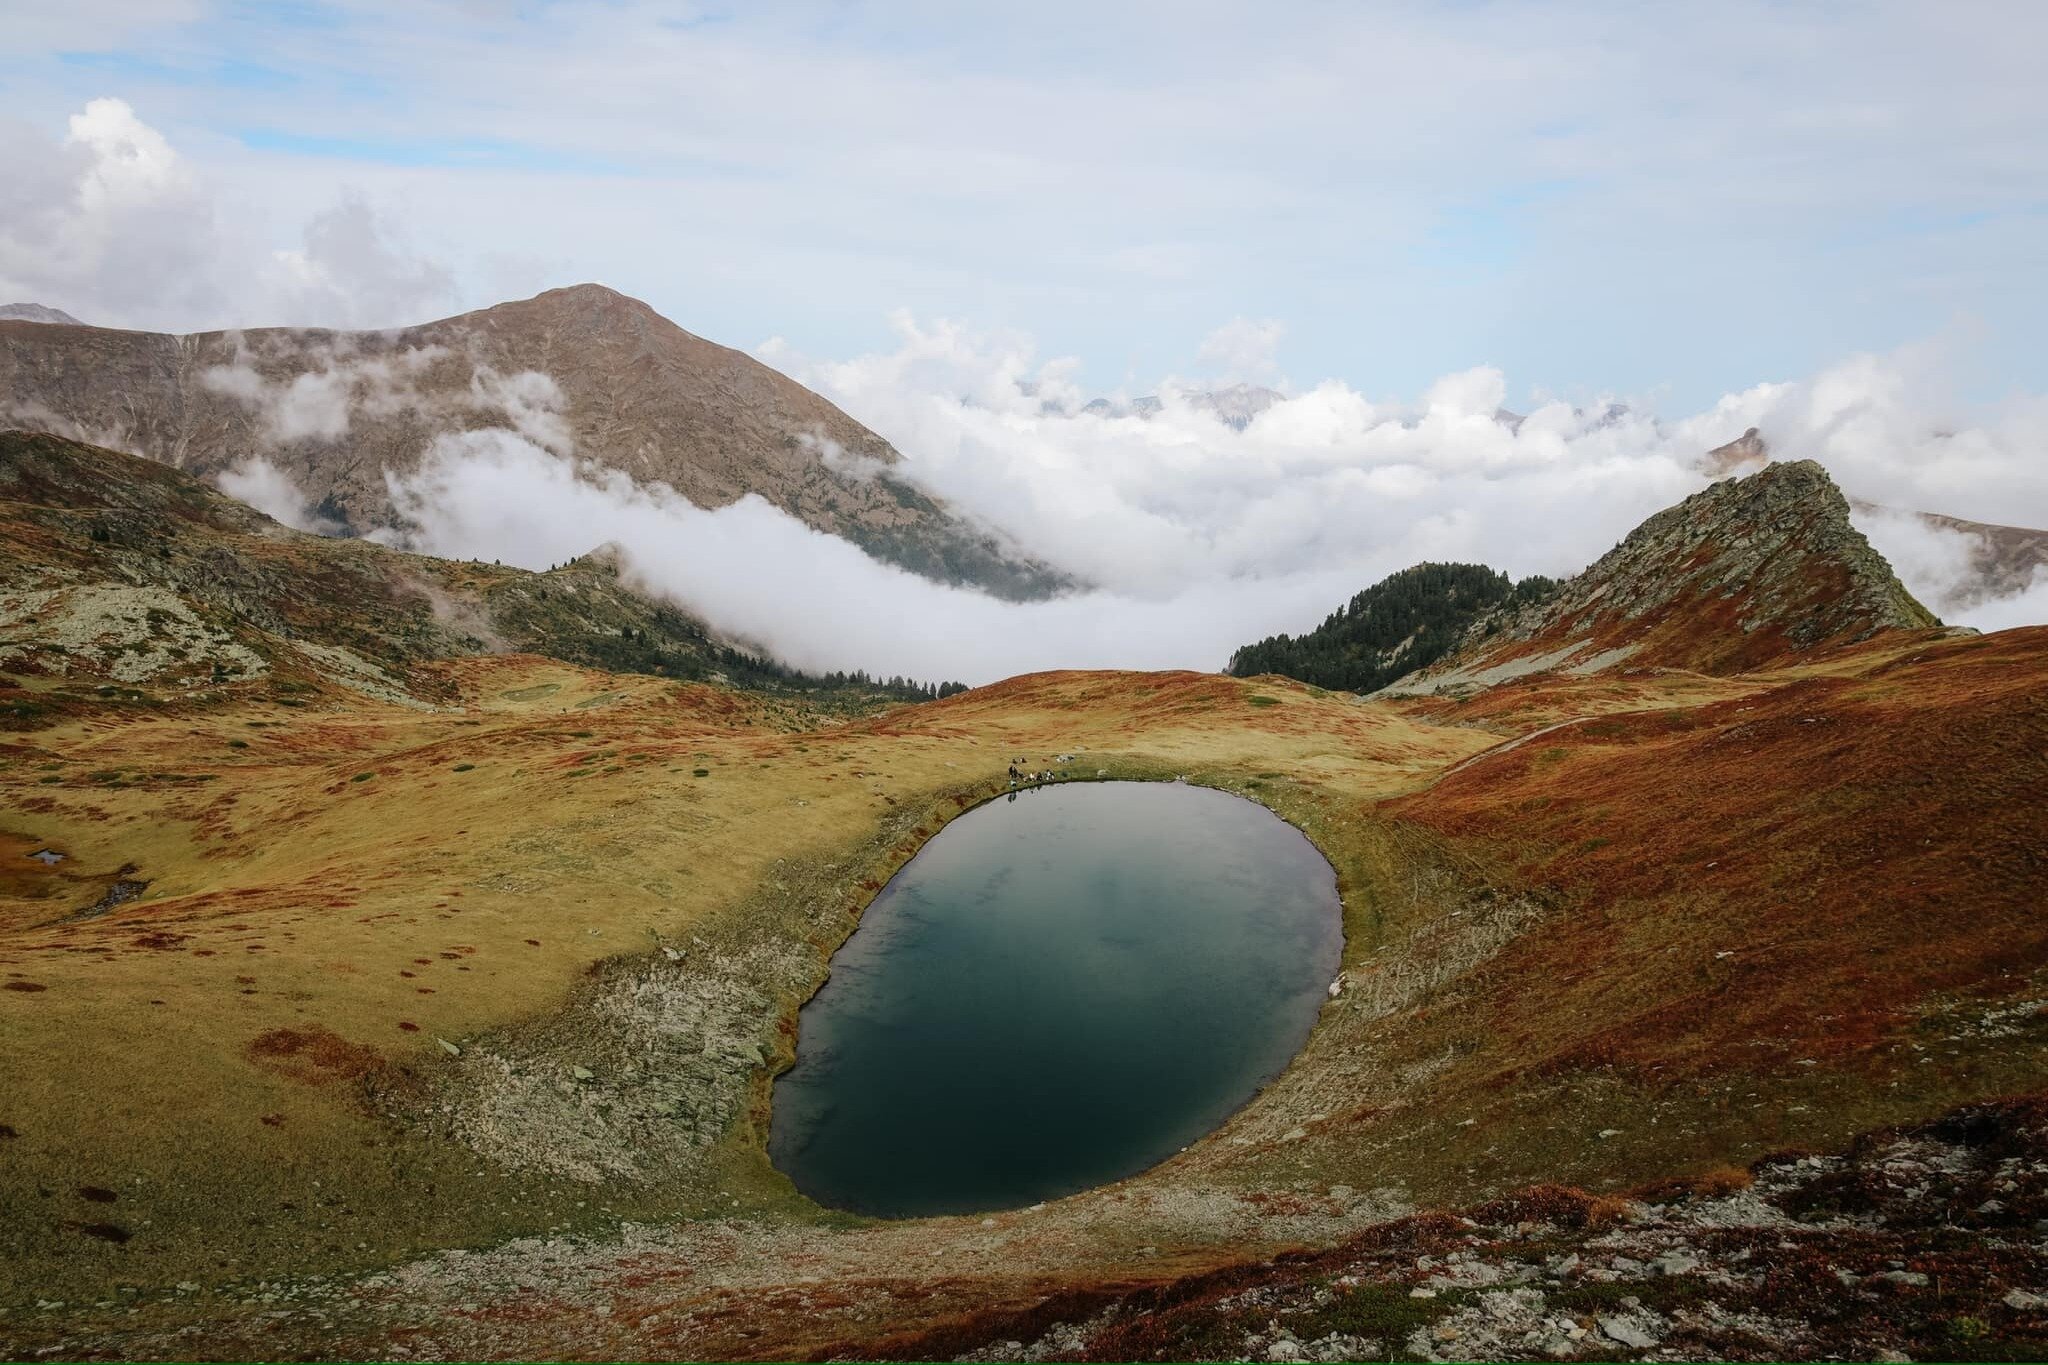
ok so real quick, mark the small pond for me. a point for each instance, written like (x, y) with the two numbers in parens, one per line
(1057, 991)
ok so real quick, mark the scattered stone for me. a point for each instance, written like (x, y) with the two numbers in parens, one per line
(1625, 1331)
(450, 1048)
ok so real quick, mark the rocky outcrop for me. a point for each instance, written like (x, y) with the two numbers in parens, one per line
(584, 371)
(2003, 560)
(117, 569)
(1918, 1243)
(1744, 573)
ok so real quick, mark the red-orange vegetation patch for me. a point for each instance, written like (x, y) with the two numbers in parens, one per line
(1803, 865)
(1716, 1183)
(312, 1056)
(1562, 1205)
(26, 987)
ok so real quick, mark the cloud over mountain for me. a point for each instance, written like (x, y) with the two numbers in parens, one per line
(1200, 533)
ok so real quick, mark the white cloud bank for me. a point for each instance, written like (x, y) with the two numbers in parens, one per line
(1199, 536)
(273, 492)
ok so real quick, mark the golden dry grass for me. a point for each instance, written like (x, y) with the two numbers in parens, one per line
(338, 881)
(1529, 962)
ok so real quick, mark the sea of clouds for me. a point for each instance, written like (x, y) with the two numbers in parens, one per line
(1195, 536)
(1192, 535)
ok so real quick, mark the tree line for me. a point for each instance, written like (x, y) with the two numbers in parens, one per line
(1406, 621)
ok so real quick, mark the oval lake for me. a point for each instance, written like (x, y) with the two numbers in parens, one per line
(1061, 988)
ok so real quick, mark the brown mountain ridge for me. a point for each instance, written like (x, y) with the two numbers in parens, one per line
(1744, 573)
(583, 370)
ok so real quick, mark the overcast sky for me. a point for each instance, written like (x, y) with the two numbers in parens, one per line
(1667, 203)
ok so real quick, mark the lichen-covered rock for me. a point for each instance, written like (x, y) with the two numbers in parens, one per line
(1740, 574)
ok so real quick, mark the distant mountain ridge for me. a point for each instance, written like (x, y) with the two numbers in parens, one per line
(1746, 572)
(1406, 621)
(584, 370)
(36, 312)
(1235, 405)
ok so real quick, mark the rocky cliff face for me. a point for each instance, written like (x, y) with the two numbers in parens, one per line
(1746, 572)
(583, 370)
(2003, 560)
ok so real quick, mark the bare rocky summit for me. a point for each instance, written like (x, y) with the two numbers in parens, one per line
(1745, 572)
(2003, 560)
(583, 371)
(1743, 455)
(35, 312)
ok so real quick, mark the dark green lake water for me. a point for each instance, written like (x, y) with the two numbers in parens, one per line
(1058, 991)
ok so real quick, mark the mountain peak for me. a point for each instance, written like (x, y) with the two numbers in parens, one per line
(587, 295)
(1744, 572)
(36, 312)
(1747, 451)
(590, 369)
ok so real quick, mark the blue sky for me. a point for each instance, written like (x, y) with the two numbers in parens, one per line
(1667, 203)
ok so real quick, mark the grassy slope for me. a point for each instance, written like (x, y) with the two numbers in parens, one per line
(1531, 945)
(1706, 916)
(286, 894)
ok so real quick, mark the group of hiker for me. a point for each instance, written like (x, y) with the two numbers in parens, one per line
(1040, 775)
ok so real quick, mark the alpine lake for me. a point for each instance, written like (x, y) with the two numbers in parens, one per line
(1062, 988)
